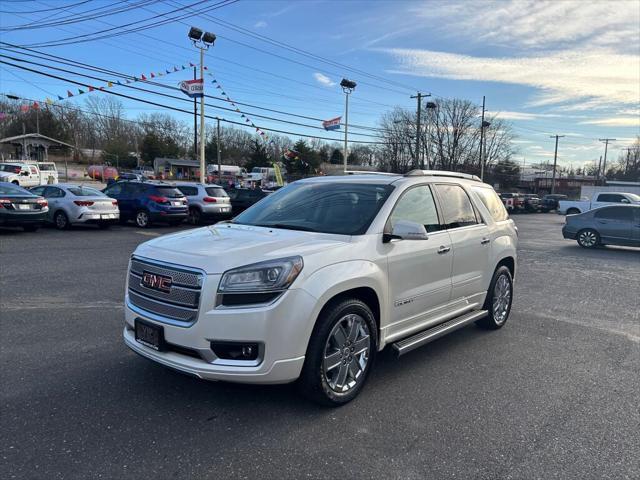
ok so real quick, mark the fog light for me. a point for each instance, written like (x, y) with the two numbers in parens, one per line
(235, 350)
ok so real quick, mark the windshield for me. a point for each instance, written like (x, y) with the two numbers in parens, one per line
(634, 197)
(10, 168)
(340, 208)
(86, 192)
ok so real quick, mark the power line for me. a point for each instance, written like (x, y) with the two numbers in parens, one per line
(46, 9)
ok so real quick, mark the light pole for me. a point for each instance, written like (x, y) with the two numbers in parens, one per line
(201, 40)
(347, 87)
(483, 141)
(430, 106)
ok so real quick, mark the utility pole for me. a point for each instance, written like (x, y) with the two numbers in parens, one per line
(202, 132)
(195, 120)
(606, 146)
(218, 149)
(598, 170)
(347, 87)
(555, 163)
(482, 142)
(418, 163)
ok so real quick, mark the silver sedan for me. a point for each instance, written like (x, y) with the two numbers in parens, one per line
(72, 204)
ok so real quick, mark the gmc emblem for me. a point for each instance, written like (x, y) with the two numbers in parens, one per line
(156, 282)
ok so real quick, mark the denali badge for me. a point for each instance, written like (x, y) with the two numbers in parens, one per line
(156, 282)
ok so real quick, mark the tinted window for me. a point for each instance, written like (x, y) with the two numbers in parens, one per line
(620, 214)
(53, 192)
(10, 168)
(417, 205)
(216, 192)
(114, 189)
(493, 203)
(457, 209)
(341, 208)
(14, 190)
(170, 192)
(190, 191)
(610, 197)
(37, 190)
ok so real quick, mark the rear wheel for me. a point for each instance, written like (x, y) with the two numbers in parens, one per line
(573, 211)
(498, 301)
(60, 220)
(340, 354)
(194, 216)
(142, 219)
(588, 238)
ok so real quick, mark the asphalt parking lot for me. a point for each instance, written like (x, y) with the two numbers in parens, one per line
(554, 394)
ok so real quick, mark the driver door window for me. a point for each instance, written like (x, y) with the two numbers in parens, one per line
(416, 205)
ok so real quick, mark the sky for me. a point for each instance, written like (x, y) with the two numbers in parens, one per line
(570, 68)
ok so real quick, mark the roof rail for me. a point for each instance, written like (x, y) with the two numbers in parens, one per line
(368, 172)
(442, 173)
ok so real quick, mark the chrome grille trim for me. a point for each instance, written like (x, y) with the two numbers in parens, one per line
(179, 305)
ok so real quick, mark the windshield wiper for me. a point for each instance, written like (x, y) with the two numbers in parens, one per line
(287, 227)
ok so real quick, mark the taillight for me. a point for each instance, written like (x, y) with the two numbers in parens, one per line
(209, 200)
(83, 203)
(158, 199)
(4, 201)
(43, 202)
(114, 202)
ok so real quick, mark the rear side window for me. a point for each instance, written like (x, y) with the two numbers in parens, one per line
(114, 190)
(170, 192)
(190, 191)
(54, 192)
(216, 192)
(85, 192)
(493, 203)
(457, 210)
(417, 205)
(619, 214)
(610, 197)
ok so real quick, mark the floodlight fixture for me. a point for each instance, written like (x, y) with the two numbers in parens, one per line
(208, 38)
(347, 85)
(195, 34)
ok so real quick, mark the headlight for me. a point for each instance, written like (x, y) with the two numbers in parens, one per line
(262, 277)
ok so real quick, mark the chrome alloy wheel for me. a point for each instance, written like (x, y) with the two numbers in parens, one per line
(587, 238)
(501, 299)
(142, 219)
(346, 353)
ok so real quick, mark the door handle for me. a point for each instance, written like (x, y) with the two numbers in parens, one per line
(443, 249)
(484, 241)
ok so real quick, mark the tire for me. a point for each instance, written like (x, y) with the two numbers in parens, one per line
(588, 238)
(142, 219)
(30, 228)
(15, 182)
(499, 300)
(104, 225)
(573, 211)
(60, 220)
(341, 330)
(195, 218)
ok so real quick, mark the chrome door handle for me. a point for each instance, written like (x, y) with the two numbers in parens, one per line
(443, 249)
(484, 241)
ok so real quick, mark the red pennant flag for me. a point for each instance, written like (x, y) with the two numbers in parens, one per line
(91, 88)
(69, 94)
(152, 75)
(143, 77)
(191, 64)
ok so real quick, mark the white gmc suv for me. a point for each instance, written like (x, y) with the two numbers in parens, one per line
(315, 279)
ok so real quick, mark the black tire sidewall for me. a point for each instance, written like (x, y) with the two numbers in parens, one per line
(66, 220)
(312, 381)
(136, 219)
(194, 216)
(588, 230)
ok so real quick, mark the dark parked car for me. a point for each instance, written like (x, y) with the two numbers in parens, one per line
(617, 225)
(243, 198)
(531, 202)
(550, 202)
(21, 208)
(148, 202)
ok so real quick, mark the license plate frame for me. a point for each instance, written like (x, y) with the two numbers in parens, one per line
(23, 206)
(149, 334)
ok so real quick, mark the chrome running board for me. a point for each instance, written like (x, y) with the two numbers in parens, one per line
(426, 336)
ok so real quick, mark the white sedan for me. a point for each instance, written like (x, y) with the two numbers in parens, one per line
(72, 204)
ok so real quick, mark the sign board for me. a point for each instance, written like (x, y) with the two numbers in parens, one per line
(193, 88)
(333, 124)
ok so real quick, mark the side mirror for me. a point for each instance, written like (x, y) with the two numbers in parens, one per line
(406, 230)
(625, 200)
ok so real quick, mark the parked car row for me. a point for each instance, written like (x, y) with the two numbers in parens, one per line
(530, 202)
(143, 202)
(609, 225)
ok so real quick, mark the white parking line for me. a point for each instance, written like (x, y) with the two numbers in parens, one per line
(148, 234)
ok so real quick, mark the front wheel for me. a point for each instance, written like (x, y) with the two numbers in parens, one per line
(340, 354)
(61, 221)
(588, 238)
(498, 301)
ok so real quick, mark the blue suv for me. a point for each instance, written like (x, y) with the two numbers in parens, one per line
(148, 202)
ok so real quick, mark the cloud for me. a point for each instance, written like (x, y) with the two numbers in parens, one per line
(614, 122)
(508, 115)
(260, 24)
(598, 76)
(323, 79)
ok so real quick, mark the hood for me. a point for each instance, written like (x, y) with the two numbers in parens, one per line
(219, 248)
(7, 175)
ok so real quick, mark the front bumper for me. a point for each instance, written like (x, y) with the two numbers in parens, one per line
(281, 328)
(568, 234)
